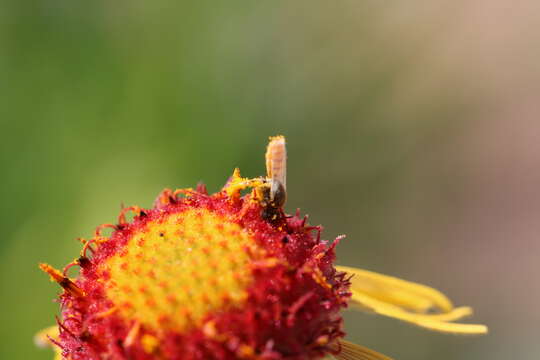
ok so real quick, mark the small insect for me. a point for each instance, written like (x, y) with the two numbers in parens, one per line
(274, 194)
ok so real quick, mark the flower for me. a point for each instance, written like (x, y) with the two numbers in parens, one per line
(226, 276)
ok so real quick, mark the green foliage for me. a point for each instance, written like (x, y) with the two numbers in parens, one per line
(104, 102)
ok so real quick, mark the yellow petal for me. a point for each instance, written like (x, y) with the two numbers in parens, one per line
(409, 295)
(407, 301)
(360, 302)
(351, 351)
(436, 322)
(41, 339)
(453, 315)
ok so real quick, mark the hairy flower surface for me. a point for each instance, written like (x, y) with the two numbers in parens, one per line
(225, 276)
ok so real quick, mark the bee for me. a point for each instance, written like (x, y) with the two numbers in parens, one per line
(274, 193)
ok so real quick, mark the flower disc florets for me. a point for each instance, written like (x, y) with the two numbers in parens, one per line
(201, 277)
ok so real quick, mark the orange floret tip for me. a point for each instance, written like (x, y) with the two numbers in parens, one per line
(67, 284)
(199, 277)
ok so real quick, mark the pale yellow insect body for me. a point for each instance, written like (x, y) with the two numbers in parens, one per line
(276, 168)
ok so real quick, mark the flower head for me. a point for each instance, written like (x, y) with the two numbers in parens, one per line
(225, 276)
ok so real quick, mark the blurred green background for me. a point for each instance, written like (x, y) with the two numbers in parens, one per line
(412, 127)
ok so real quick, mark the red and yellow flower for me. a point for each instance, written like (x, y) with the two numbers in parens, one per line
(225, 276)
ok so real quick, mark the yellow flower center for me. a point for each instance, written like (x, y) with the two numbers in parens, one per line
(176, 270)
